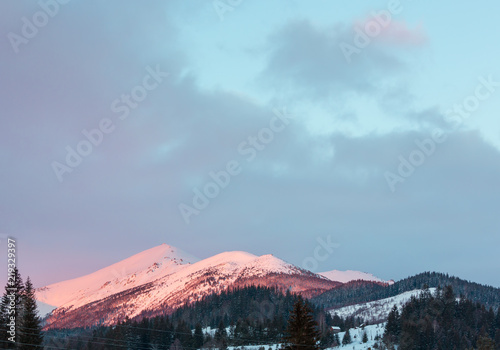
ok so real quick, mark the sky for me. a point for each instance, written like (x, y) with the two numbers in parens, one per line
(334, 135)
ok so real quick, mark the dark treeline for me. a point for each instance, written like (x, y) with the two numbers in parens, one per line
(439, 321)
(362, 291)
(20, 324)
(251, 315)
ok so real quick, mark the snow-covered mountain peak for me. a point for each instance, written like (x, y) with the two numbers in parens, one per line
(245, 264)
(349, 275)
(136, 270)
(161, 255)
(268, 264)
(162, 278)
(233, 257)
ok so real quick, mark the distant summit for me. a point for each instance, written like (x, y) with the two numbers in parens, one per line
(349, 275)
(141, 268)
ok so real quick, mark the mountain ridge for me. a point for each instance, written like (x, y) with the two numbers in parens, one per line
(153, 263)
(356, 292)
(123, 275)
(351, 275)
(162, 279)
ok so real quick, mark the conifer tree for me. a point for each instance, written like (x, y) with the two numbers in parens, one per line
(365, 337)
(393, 326)
(497, 319)
(31, 328)
(497, 338)
(347, 338)
(328, 339)
(198, 336)
(176, 345)
(183, 333)
(221, 336)
(302, 331)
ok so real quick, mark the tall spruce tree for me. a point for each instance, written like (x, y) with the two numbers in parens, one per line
(302, 331)
(221, 336)
(30, 332)
(393, 326)
(198, 336)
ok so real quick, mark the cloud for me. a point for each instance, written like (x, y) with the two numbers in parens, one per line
(310, 60)
(124, 196)
(394, 33)
(306, 62)
(397, 33)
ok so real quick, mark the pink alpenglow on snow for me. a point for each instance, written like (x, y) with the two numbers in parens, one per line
(164, 278)
(139, 269)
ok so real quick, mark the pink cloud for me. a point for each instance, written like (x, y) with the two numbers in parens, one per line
(395, 33)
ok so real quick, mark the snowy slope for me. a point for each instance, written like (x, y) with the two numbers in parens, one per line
(44, 309)
(378, 310)
(211, 275)
(137, 270)
(357, 337)
(349, 275)
(160, 280)
(372, 331)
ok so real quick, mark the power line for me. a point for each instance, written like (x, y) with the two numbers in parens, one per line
(90, 338)
(95, 342)
(93, 337)
(110, 342)
(40, 346)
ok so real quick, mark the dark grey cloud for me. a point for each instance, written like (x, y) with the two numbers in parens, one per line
(310, 60)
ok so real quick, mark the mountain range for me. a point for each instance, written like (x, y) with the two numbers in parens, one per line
(161, 279)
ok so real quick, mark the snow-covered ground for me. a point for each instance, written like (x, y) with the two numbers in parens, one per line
(377, 310)
(357, 337)
(212, 331)
(255, 347)
(44, 309)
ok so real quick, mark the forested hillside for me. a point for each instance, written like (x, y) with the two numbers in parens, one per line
(440, 321)
(241, 316)
(362, 291)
